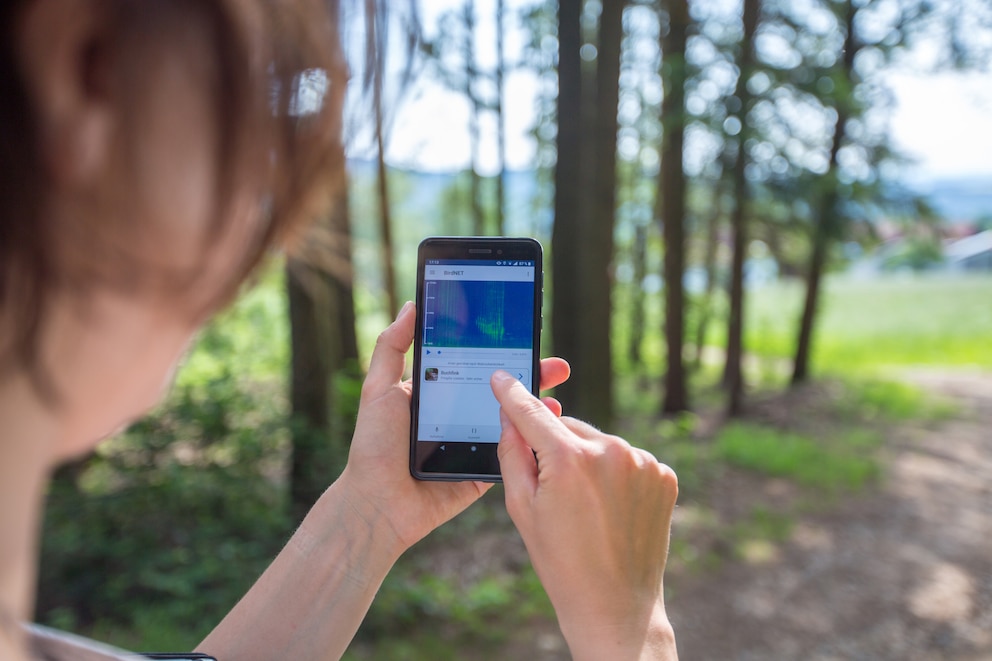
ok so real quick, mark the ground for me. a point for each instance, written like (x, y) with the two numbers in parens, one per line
(901, 571)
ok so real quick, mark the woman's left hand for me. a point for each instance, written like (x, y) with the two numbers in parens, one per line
(376, 482)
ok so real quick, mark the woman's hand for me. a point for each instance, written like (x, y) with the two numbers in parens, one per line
(377, 480)
(595, 515)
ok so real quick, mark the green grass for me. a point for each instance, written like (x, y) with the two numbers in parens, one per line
(844, 461)
(891, 322)
(868, 399)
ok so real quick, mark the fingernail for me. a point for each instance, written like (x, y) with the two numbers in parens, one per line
(501, 376)
(406, 306)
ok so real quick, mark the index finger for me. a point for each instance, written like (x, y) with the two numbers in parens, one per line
(538, 425)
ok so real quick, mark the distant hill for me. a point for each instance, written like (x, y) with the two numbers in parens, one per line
(960, 199)
(957, 200)
(420, 197)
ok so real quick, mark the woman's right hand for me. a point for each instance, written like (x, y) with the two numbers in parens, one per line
(595, 514)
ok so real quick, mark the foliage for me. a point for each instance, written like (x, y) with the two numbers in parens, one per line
(148, 542)
(915, 254)
(179, 514)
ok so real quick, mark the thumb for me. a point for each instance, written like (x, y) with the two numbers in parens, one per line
(389, 355)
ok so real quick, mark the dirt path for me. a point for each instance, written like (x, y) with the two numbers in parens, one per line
(903, 572)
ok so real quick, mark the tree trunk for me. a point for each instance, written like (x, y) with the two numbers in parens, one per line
(567, 300)
(500, 123)
(733, 376)
(385, 209)
(818, 258)
(709, 265)
(310, 387)
(474, 130)
(323, 344)
(596, 390)
(324, 355)
(585, 197)
(827, 219)
(672, 189)
(638, 298)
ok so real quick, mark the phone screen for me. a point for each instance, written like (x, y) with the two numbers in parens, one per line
(478, 311)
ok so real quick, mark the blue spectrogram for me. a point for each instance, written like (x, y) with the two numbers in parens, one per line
(481, 315)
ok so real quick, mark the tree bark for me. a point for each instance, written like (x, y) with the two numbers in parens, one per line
(585, 200)
(827, 218)
(324, 353)
(500, 122)
(596, 403)
(475, 110)
(818, 258)
(638, 298)
(733, 376)
(385, 209)
(709, 265)
(672, 191)
(324, 343)
(567, 304)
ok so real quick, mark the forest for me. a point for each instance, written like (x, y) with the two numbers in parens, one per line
(737, 272)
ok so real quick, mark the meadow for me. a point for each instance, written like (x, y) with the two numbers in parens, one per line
(869, 325)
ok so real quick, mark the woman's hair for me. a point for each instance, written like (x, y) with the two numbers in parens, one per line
(278, 77)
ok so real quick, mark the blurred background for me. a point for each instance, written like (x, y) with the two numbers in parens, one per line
(768, 238)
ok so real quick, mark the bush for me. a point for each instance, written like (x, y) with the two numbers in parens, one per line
(176, 517)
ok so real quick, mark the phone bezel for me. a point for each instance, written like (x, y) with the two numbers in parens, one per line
(483, 463)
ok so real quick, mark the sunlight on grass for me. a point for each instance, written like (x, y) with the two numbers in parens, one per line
(845, 462)
(891, 322)
(873, 399)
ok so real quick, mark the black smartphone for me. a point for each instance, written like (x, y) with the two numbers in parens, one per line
(478, 311)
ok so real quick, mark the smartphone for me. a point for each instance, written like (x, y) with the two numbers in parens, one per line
(478, 311)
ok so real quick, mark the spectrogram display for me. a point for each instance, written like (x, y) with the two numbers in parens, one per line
(483, 315)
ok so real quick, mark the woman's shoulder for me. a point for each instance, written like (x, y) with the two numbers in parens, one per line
(51, 645)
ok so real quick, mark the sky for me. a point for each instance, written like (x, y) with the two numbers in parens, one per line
(945, 121)
(941, 121)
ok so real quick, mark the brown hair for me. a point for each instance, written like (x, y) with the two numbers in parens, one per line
(269, 142)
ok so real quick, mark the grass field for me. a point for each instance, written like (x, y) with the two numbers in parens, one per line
(868, 325)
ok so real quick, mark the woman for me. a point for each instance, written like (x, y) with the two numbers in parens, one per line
(150, 154)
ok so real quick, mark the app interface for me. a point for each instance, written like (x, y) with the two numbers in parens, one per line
(478, 318)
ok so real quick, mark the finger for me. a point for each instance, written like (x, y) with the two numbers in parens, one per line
(389, 355)
(581, 428)
(553, 405)
(554, 372)
(516, 462)
(536, 423)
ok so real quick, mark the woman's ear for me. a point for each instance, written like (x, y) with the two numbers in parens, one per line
(64, 51)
